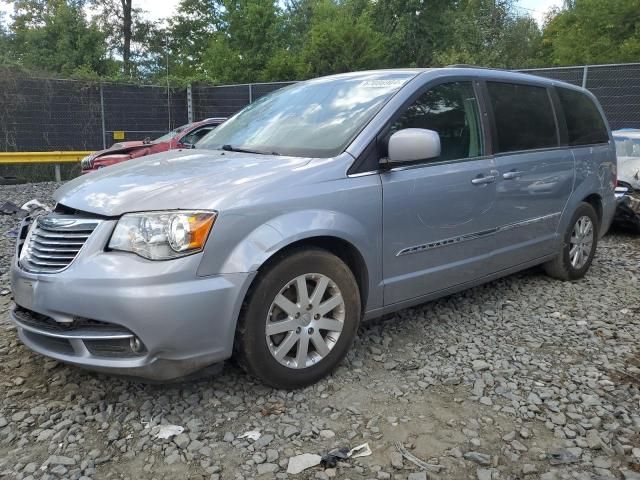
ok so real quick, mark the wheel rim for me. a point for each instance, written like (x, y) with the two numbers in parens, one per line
(581, 242)
(305, 321)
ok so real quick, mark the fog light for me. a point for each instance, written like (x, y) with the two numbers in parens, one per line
(136, 345)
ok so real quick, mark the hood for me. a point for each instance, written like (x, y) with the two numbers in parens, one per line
(192, 179)
(121, 147)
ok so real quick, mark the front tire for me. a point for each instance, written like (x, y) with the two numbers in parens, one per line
(300, 319)
(580, 241)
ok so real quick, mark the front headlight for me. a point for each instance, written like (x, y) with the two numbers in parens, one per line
(163, 235)
(86, 163)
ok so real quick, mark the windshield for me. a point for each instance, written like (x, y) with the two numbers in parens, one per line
(627, 147)
(168, 136)
(318, 118)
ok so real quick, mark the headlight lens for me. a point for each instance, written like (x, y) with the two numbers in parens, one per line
(86, 162)
(163, 235)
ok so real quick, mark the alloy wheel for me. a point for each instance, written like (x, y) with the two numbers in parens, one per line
(305, 321)
(581, 242)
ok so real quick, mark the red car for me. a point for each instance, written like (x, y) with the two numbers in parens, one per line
(182, 137)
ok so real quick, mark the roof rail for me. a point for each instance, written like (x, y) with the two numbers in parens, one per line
(465, 65)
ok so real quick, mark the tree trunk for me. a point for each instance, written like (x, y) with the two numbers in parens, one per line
(126, 31)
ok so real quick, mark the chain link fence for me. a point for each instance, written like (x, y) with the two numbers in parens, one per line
(42, 114)
(616, 86)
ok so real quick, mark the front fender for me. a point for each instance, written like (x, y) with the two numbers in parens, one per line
(266, 240)
(269, 238)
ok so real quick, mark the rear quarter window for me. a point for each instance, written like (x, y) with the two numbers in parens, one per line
(523, 115)
(585, 125)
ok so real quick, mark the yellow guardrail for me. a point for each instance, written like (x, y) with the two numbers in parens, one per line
(41, 157)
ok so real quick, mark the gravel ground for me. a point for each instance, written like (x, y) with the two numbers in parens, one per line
(522, 378)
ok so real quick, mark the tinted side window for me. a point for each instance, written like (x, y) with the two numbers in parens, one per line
(584, 122)
(451, 110)
(523, 115)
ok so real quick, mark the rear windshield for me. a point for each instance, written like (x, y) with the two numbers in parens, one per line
(318, 118)
(585, 125)
(627, 147)
(168, 136)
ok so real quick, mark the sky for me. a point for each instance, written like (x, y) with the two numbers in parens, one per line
(165, 8)
(537, 8)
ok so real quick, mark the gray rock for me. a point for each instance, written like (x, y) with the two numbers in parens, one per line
(480, 366)
(290, 431)
(593, 440)
(45, 435)
(479, 458)
(630, 475)
(558, 418)
(562, 457)
(266, 468)
(299, 463)
(484, 474)
(263, 441)
(516, 445)
(272, 455)
(60, 460)
(417, 476)
(182, 440)
(396, 460)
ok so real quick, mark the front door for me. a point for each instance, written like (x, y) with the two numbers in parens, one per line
(437, 214)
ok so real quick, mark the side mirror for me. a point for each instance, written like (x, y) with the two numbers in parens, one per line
(412, 144)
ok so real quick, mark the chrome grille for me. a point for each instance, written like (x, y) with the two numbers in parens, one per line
(53, 242)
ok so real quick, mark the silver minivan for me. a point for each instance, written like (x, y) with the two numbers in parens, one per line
(321, 205)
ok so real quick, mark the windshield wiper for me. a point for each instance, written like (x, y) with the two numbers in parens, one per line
(232, 148)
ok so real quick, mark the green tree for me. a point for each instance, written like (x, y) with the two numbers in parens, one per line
(593, 31)
(4, 41)
(130, 36)
(190, 32)
(55, 36)
(489, 33)
(415, 30)
(341, 38)
(248, 35)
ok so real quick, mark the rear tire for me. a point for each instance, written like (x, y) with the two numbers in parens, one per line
(299, 320)
(579, 244)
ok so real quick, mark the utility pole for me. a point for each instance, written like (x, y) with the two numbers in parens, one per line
(166, 47)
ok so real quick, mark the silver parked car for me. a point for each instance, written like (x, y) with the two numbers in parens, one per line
(320, 205)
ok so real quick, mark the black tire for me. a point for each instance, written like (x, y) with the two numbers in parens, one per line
(251, 348)
(561, 267)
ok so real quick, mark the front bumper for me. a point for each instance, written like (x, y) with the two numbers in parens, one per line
(87, 314)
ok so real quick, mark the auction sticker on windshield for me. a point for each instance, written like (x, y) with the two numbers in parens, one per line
(382, 83)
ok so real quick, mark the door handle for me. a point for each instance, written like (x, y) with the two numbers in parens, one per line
(512, 175)
(484, 180)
